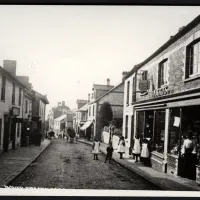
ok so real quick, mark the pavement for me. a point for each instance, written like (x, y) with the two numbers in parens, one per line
(16, 161)
(163, 180)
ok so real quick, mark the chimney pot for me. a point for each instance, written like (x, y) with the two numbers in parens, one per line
(10, 66)
(124, 73)
(108, 81)
(88, 98)
(181, 28)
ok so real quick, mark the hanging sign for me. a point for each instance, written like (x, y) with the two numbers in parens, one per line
(15, 111)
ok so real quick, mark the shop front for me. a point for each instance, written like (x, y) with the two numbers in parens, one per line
(167, 122)
(150, 125)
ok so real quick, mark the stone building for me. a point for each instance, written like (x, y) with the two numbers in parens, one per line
(97, 91)
(114, 97)
(162, 99)
(56, 112)
(81, 115)
(12, 92)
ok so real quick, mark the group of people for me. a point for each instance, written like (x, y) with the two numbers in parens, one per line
(139, 150)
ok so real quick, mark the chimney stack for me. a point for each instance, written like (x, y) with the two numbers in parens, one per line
(10, 66)
(108, 81)
(124, 73)
(88, 98)
(181, 28)
(63, 103)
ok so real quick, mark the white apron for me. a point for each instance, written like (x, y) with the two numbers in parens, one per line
(121, 148)
(96, 148)
(137, 147)
(145, 151)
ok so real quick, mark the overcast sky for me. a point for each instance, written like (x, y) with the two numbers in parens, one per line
(65, 49)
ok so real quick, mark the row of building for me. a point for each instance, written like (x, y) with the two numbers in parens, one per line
(60, 119)
(158, 99)
(22, 109)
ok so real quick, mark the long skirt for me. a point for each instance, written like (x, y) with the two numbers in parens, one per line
(189, 165)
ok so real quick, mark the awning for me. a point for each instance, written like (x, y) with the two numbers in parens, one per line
(86, 125)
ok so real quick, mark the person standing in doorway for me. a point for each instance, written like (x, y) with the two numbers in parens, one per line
(189, 157)
(136, 148)
(96, 149)
(121, 148)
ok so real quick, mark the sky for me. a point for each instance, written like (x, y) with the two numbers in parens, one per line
(66, 49)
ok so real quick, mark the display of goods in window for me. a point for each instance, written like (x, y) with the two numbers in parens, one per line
(144, 85)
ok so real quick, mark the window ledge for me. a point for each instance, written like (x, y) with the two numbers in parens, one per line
(192, 78)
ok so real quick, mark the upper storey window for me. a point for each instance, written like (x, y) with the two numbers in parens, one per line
(162, 73)
(193, 59)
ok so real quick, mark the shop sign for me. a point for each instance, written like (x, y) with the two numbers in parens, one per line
(161, 92)
(15, 111)
(144, 85)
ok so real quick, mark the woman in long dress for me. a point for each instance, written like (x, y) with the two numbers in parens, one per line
(121, 148)
(136, 148)
(189, 157)
(96, 149)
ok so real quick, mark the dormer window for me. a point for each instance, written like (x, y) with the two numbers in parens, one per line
(162, 73)
(193, 59)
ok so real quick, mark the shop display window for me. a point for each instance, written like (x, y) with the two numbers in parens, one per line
(159, 131)
(149, 119)
(174, 132)
(140, 123)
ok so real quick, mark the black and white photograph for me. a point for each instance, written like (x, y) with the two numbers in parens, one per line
(100, 98)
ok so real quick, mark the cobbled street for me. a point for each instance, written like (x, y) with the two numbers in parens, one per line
(71, 166)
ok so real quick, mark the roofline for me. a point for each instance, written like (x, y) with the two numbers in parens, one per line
(13, 77)
(106, 93)
(177, 36)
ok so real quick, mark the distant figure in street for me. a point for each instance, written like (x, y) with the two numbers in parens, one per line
(96, 149)
(109, 152)
(121, 147)
(136, 148)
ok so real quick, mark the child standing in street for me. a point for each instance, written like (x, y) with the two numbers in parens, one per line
(96, 149)
(109, 152)
(136, 148)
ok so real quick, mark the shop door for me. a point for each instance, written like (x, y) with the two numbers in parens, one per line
(6, 133)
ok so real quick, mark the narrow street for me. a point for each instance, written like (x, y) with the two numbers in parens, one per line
(71, 166)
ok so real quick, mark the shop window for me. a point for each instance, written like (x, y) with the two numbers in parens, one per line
(127, 97)
(133, 90)
(149, 120)
(174, 132)
(140, 123)
(126, 127)
(162, 73)
(13, 94)
(193, 59)
(159, 131)
(3, 88)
